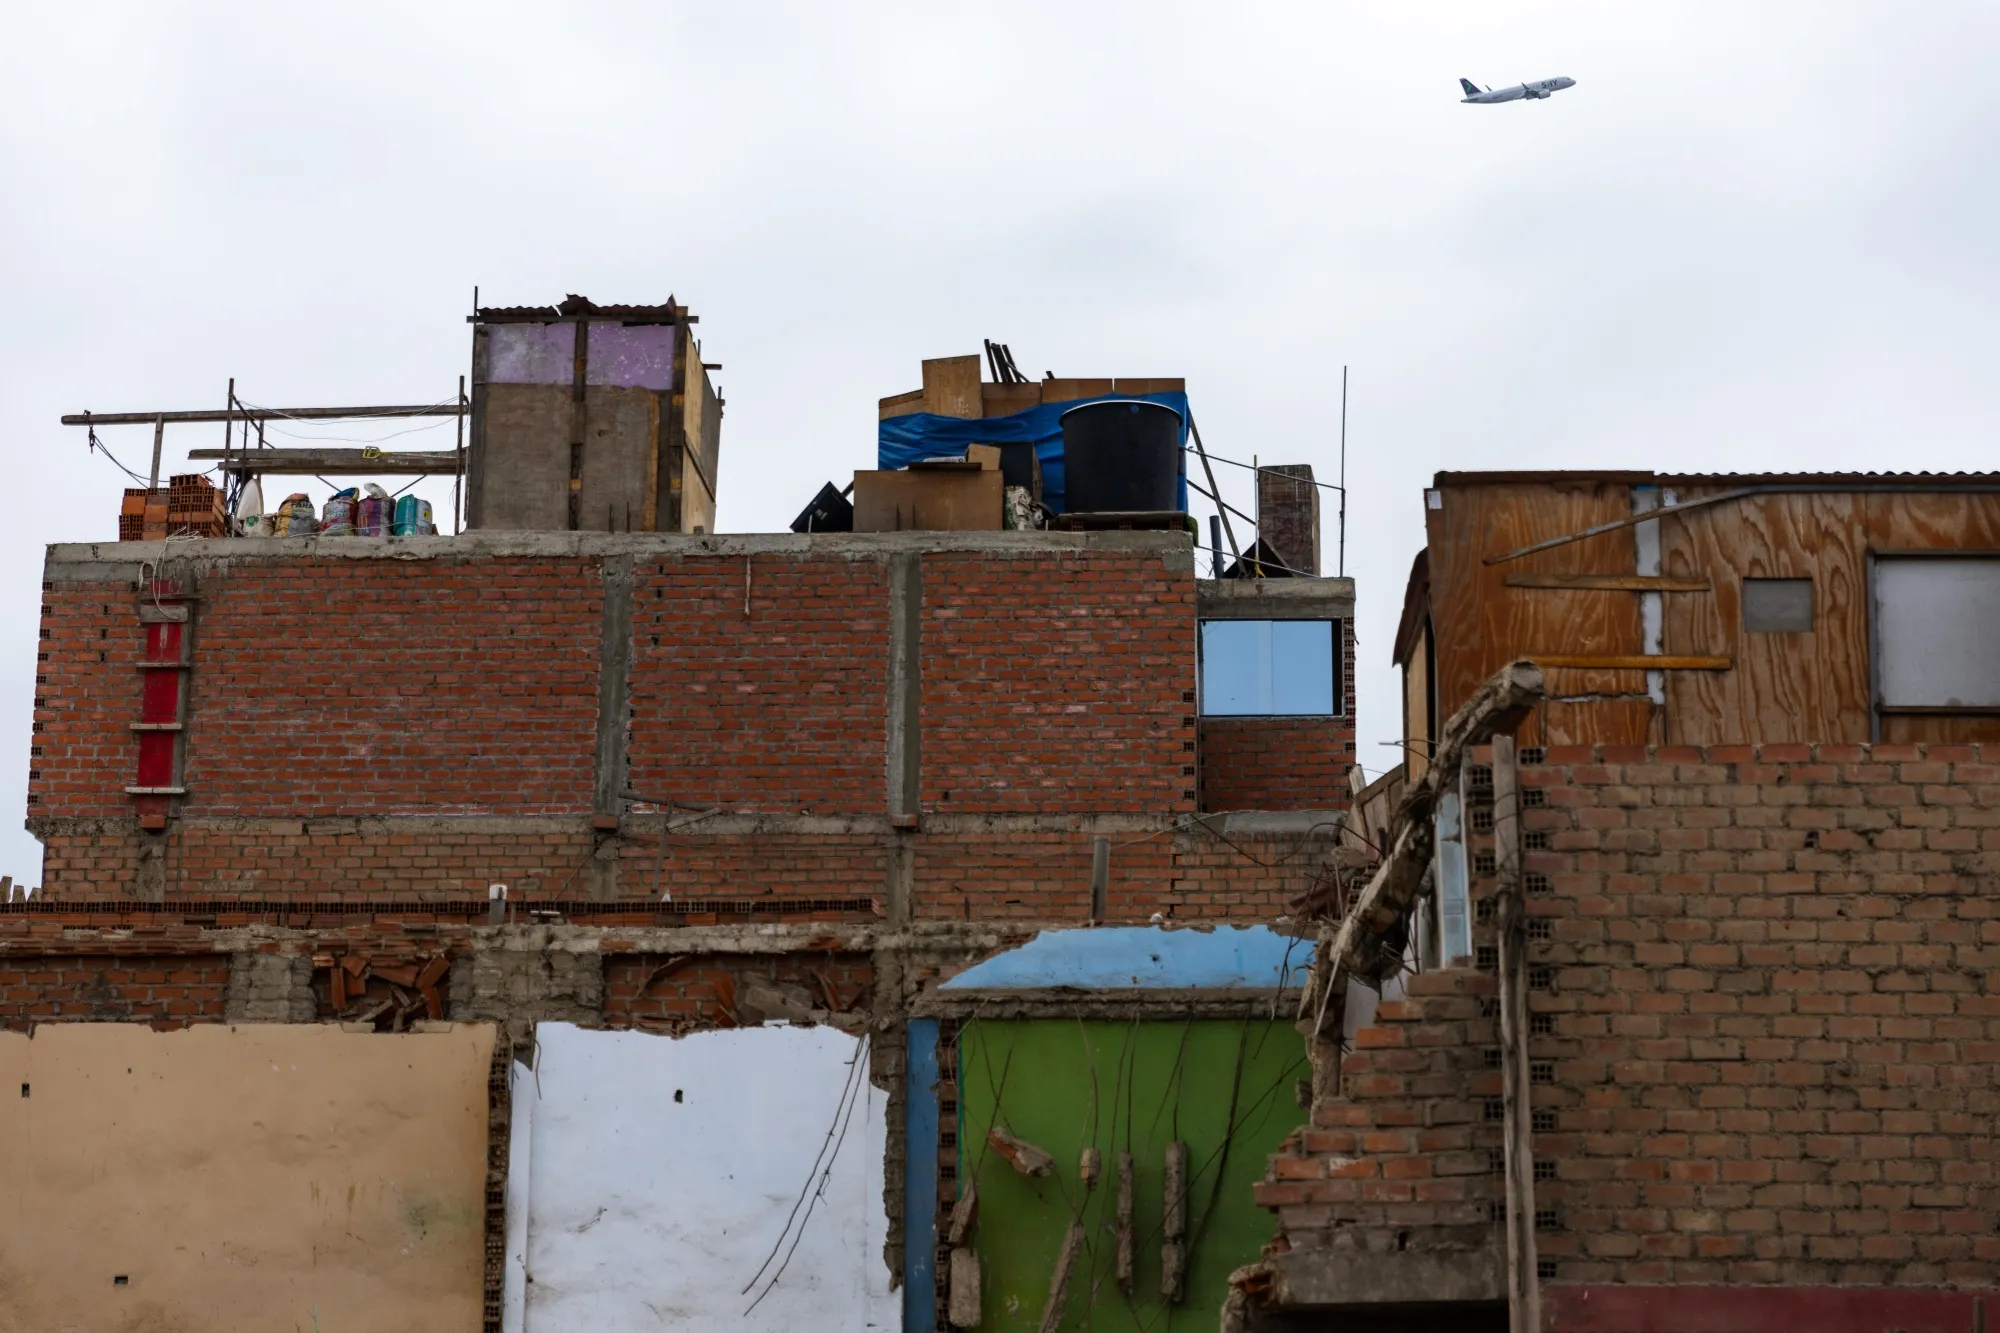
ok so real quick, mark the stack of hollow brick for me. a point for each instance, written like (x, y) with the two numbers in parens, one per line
(189, 506)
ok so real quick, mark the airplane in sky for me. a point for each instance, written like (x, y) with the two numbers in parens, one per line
(1530, 92)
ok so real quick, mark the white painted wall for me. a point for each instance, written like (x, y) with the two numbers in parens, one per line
(638, 1211)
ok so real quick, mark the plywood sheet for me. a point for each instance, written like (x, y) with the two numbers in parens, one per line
(1790, 686)
(1482, 624)
(900, 405)
(621, 432)
(660, 1172)
(927, 501)
(524, 457)
(243, 1178)
(1064, 391)
(951, 386)
(1000, 400)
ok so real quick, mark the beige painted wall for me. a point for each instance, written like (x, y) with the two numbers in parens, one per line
(266, 1177)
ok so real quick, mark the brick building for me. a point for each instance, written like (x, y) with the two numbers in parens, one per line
(725, 781)
(1697, 1030)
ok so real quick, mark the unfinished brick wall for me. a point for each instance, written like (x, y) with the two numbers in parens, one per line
(1054, 683)
(729, 990)
(165, 990)
(1766, 1030)
(344, 687)
(761, 683)
(1276, 763)
(1406, 1159)
(83, 755)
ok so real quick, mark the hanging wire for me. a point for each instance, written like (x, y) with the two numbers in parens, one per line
(97, 446)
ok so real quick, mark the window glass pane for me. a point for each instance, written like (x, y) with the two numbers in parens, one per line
(1937, 626)
(1302, 666)
(1236, 666)
(1267, 668)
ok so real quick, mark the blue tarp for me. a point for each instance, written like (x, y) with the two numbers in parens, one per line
(901, 441)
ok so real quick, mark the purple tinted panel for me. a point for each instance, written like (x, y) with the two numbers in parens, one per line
(531, 353)
(638, 356)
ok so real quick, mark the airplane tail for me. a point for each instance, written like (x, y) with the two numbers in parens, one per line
(1471, 89)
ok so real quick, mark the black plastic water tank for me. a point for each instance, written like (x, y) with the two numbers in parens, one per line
(1121, 454)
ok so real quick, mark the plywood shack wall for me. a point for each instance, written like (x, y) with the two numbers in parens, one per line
(243, 1178)
(1798, 686)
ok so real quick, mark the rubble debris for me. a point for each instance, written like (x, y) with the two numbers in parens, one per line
(1173, 1225)
(1052, 1312)
(1024, 1156)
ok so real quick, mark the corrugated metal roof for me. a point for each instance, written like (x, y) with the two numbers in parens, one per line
(1914, 480)
(574, 305)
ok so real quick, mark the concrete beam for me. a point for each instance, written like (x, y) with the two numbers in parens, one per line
(100, 562)
(1337, 1279)
(1274, 599)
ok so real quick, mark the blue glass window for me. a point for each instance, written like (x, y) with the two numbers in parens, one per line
(1270, 668)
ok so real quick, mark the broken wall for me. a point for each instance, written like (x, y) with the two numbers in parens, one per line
(243, 1178)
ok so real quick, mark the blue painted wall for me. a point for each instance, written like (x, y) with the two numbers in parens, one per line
(1145, 958)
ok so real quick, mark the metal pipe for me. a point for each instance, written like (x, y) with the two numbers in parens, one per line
(1214, 489)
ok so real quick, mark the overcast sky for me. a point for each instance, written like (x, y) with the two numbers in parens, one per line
(1751, 237)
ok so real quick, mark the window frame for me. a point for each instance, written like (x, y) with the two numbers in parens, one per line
(1338, 631)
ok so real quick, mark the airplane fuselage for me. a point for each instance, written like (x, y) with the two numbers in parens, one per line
(1534, 91)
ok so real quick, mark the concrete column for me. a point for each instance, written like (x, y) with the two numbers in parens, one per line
(904, 775)
(614, 719)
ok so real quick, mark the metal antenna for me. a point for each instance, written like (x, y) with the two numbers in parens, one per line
(1342, 566)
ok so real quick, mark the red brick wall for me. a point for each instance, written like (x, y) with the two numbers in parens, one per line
(1276, 763)
(337, 686)
(1406, 1154)
(1770, 1045)
(647, 990)
(166, 990)
(86, 693)
(777, 709)
(1057, 683)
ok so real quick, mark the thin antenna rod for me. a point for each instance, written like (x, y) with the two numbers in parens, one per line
(1342, 566)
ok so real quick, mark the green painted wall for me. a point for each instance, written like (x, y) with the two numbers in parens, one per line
(1136, 1086)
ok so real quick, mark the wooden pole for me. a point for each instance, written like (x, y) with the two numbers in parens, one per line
(159, 438)
(1524, 1297)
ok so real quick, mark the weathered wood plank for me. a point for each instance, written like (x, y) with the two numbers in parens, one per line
(1609, 582)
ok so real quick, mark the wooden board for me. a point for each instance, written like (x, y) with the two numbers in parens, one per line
(1138, 388)
(1069, 390)
(1609, 582)
(1801, 686)
(900, 405)
(927, 501)
(1001, 400)
(1417, 708)
(951, 387)
(1631, 662)
(1481, 624)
